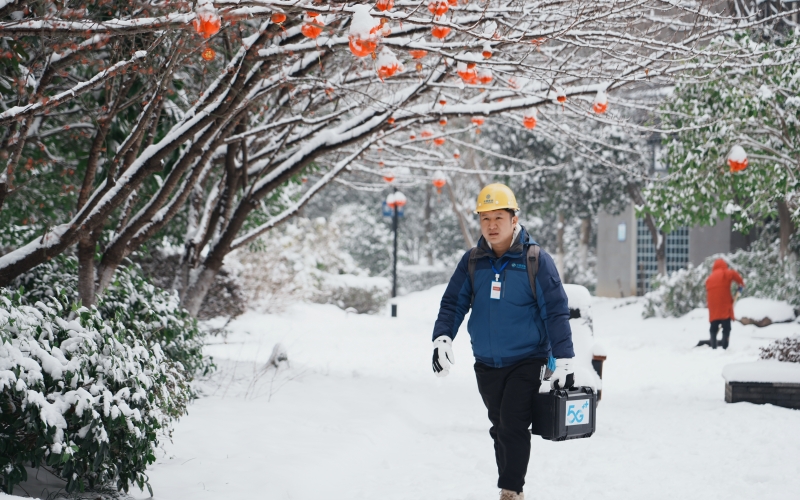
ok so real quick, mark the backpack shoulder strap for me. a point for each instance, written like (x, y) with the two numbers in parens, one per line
(473, 262)
(533, 267)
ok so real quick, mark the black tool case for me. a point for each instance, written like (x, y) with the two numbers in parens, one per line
(565, 414)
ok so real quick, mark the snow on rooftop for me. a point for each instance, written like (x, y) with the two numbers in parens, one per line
(764, 371)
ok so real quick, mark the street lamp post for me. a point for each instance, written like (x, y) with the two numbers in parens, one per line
(396, 200)
(395, 222)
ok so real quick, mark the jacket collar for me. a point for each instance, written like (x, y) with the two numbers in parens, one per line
(521, 240)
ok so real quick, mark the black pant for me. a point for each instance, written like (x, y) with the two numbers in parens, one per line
(508, 394)
(726, 332)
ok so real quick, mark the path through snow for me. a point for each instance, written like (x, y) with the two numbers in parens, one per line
(359, 415)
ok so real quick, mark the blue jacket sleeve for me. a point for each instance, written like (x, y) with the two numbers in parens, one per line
(553, 307)
(456, 301)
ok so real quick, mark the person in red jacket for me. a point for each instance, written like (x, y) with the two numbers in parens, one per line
(720, 302)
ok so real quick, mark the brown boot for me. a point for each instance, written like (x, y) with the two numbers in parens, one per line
(511, 495)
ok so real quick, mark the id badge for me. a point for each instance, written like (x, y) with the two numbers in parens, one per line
(496, 288)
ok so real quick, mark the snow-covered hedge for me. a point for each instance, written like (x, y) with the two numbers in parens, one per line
(765, 275)
(787, 349)
(305, 260)
(678, 293)
(86, 397)
(153, 314)
(85, 392)
(365, 294)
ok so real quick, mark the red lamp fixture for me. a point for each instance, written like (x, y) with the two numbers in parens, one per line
(384, 5)
(529, 118)
(363, 32)
(561, 96)
(438, 7)
(207, 22)
(600, 104)
(440, 32)
(737, 159)
(388, 64)
(388, 175)
(312, 26)
(439, 181)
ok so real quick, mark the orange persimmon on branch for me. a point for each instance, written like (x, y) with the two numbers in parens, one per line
(206, 148)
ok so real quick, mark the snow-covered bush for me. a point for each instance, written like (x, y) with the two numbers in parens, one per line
(765, 275)
(152, 314)
(678, 293)
(421, 277)
(304, 260)
(81, 394)
(365, 294)
(225, 298)
(787, 349)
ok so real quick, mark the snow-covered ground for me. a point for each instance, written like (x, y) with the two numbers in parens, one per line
(358, 414)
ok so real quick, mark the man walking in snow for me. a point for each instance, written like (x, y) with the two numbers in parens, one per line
(516, 326)
(720, 302)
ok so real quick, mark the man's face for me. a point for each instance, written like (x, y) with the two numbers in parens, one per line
(497, 226)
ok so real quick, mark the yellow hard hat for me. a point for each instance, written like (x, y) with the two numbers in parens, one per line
(496, 197)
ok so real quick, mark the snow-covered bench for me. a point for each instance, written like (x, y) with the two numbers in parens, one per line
(763, 382)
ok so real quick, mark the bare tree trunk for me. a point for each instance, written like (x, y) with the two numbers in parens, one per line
(86, 278)
(461, 222)
(583, 248)
(560, 246)
(198, 288)
(426, 246)
(786, 227)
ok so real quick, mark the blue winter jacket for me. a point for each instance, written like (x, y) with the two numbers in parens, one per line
(514, 327)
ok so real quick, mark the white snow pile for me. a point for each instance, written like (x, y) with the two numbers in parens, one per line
(764, 371)
(778, 311)
(579, 298)
(583, 341)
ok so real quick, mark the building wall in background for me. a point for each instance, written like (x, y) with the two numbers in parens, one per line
(624, 268)
(708, 240)
(616, 259)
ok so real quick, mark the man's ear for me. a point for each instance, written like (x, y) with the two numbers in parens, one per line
(514, 220)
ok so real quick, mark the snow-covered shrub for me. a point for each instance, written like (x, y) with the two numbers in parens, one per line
(764, 273)
(363, 293)
(152, 314)
(787, 349)
(678, 293)
(304, 260)
(82, 394)
(225, 298)
(421, 277)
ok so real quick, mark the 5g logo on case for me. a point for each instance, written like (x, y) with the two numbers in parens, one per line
(578, 412)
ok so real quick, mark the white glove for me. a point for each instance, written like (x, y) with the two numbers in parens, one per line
(563, 376)
(443, 355)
